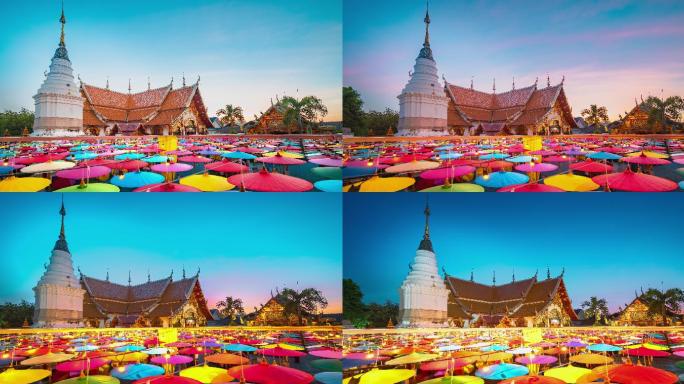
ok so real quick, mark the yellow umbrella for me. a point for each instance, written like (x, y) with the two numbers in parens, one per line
(496, 356)
(386, 184)
(23, 376)
(656, 155)
(48, 358)
(412, 166)
(284, 346)
(284, 154)
(207, 183)
(412, 358)
(131, 357)
(97, 379)
(226, 359)
(463, 379)
(569, 374)
(23, 184)
(591, 359)
(346, 188)
(571, 183)
(207, 374)
(458, 187)
(655, 347)
(49, 166)
(384, 376)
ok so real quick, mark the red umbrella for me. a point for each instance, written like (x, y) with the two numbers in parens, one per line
(559, 159)
(532, 380)
(81, 365)
(226, 167)
(591, 166)
(281, 352)
(496, 164)
(195, 351)
(534, 187)
(264, 373)
(164, 379)
(639, 374)
(443, 365)
(130, 165)
(280, 160)
(643, 351)
(194, 159)
(635, 182)
(643, 159)
(327, 353)
(264, 181)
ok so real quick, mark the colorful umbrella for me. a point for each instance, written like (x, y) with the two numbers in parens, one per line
(568, 374)
(412, 166)
(226, 359)
(171, 167)
(327, 353)
(641, 351)
(386, 184)
(166, 187)
(645, 160)
(604, 348)
(639, 374)
(132, 165)
(23, 376)
(263, 373)
(206, 374)
(95, 379)
(81, 365)
(167, 379)
(604, 156)
(536, 167)
(329, 185)
(591, 166)
(531, 187)
(48, 358)
(327, 365)
(328, 172)
(239, 155)
(412, 358)
(329, 377)
(533, 380)
(264, 181)
(194, 159)
(226, 167)
(207, 183)
(386, 376)
(172, 360)
(635, 182)
(591, 359)
(327, 162)
(91, 187)
(501, 179)
(501, 371)
(280, 160)
(137, 371)
(571, 183)
(459, 379)
(458, 187)
(446, 173)
(239, 348)
(84, 172)
(136, 179)
(49, 166)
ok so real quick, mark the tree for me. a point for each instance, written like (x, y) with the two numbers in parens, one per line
(596, 116)
(379, 314)
(230, 307)
(303, 113)
(230, 115)
(595, 307)
(661, 303)
(661, 113)
(352, 112)
(13, 315)
(377, 123)
(308, 301)
(13, 123)
(352, 300)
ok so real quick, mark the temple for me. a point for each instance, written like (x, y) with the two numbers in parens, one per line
(159, 111)
(524, 303)
(58, 104)
(156, 303)
(59, 298)
(423, 295)
(636, 122)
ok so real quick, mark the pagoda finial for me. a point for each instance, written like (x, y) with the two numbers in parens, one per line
(129, 277)
(171, 277)
(198, 79)
(636, 103)
(62, 212)
(472, 275)
(471, 82)
(62, 20)
(548, 272)
(642, 98)
(426, 234)
(184, 79)
(494, 85)
(426, 52)
(536, 273)
(514, 83)
(148, 83)
(563, 80)
(171, 82)
(107, 86)
(198, 271)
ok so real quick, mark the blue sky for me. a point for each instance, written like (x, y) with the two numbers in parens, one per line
(246, 52)
(609, 51)
(245, 245)
(609, 244)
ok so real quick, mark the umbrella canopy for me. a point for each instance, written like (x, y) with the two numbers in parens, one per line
(167, 379)
(207, 183)
(263, 373)
(645, 160)
(91, 187)
(604, 156)
(327, 365)
(96, 379)
(591, 359)
(23, 376)
(501, 179)
(48, 358)
(449, 172)
(132, 165)
(537, 359)
(49, 166)
(171, 167)
(264, 181)
(81, 365)
(226, 167)
(639, 374)
(280, 160)
(386, 376)
(501, 371)
(412, 358)
(568, 374)
(166, 187)
(226, 359)
(156, 159)
(238, 155)
(281, 352)
(194, 159)
(533, 380)
(656, 155)
(591, 166)
(329, 185)
(327, 162)
(136, 179)
(412, 166)
(129, 156)
(291, 155)
(459, 379)
(206, 374)
(239, 348)
(173, 360)
(328, 172)
(604, 348)
(571, 183)
(84, 172)
(327, 353)
(137, 371)
(635, 182)
(458, 187)
(532, 187)
(536, 167)
(641, 351)
(329, 377)
(386, 184)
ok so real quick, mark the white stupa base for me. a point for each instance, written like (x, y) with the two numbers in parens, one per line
(58, 306)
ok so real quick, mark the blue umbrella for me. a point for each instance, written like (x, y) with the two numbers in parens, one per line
(450, 155)
(604, 156)
(501, 179)
(120, 146)
(87, 347)
(156, 351)
(6, 154)
(353, 172)
(6, 170)
(520, 159)
(681, 185)
(444, 147)
(129, 156)
(329, 185)
(238, 155)
(129, 348)
(136, 179)
(329, 377)
(501, 371)
(79, 148)
(137, 371)
(238, 348)
(349, 363)
(492, 156)
(494, 347)
(84, 155)
(604, 348)
(156, 159)
(209, 152)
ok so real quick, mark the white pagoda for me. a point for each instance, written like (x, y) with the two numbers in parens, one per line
(423, 296)
(59, 296)
(423, 103)
(59, 105)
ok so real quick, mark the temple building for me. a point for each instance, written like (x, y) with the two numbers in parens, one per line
(423, 295)
(428, 109)
(58, 103)
(272, 314)
(636, 122)
(159, 111)
(158, 303)
(59, 297)
(636, 314)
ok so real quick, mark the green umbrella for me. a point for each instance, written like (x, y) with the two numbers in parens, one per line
(328, 172)
(458, 187)
(327, 365)
(680, 170)
(92, 187)
(91, 380)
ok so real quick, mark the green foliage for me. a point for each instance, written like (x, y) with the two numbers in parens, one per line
(13, 315)
(352, 300)
(595, 308)
(230, 308)
(352, 112)
(597, 116)
(661, 113)
(663, 302)
(380, 314)
(304, 113)
(230, 115)
(309, 301)
(361, 315)
(377, 123)
(13, 123)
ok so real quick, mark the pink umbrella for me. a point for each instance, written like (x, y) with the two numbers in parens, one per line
(280, 352)
(365, 164)
(81, 365)
(195, 159)
(443, 365)
(533, 187)
(166, 379)
(679, 161)
(591, 166)
(166, 187)
(264, 181)
(536, 167)
(365, 356)
(327, 353)
(539, 359)
(645, 160)
(444, 173)
(173, 360)
(635, 182)
(171, 167)
(263, 373)
(559, 159)
(84, 172)
(130, 165)
(280, 160)
(226, 167)
(327, 162)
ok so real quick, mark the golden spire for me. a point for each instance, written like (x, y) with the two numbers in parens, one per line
(62, 20)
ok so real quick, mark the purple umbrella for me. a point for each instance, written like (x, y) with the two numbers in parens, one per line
(540, 359)
(171, 167)
(536, 167)
(210, 344)
(83, 173)
(327, 162)
(173, 360)
(575, 344)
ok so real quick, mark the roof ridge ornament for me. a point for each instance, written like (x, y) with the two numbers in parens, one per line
(548, 81)
(184, 79)
(493, 278)
(514, 83)
(494, 86)
(548, 272)
(471, 82)
(148, 83)
(129, 277)
(472, 277)
(107, 86)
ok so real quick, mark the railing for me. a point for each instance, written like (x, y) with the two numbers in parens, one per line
(29, 139)
(417, 331)
(43, 331)
(398, 139)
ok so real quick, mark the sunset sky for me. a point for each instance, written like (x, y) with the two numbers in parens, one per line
(245, 52)
(609, 51)
(610, 244)
(245, 245)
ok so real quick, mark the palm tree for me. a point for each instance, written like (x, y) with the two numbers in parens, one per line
(663, 112)
(230, 115)
(299, 303)
(595, 115)
(595, 307)
(230, 307)
(303, 112)
(660, 303)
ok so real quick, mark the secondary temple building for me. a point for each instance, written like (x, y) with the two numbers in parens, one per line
(426, 108)
(426, 299)
(62, 300)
